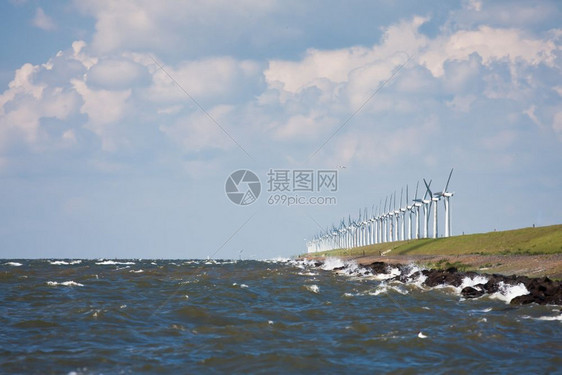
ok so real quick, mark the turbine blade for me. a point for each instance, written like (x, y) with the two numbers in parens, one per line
(407, 195)
(428, 190)
(449, 179)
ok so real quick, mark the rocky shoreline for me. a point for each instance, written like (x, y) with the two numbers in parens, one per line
(542, 291)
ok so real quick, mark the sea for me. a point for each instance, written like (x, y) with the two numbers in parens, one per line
(279, 316)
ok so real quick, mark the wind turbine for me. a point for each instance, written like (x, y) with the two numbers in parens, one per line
(372, 224)
(409, 210)
(380, 220)
(416, 206)
(424, 203)
(446, 195)
(366, 229)
(385, 222)
(403, 215)
(397, 217)
(434, 198)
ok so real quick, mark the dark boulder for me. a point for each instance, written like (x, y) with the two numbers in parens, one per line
(440, 277)
(379, 267)
(470, 292)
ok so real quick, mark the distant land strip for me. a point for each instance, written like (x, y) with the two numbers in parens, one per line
(532, 252)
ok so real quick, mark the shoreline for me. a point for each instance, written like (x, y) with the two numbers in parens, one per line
(533, 272)
(533, 266)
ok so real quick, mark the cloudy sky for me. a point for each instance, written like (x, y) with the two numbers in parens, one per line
(120, 122)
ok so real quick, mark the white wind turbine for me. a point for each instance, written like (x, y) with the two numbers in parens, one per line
(424, 203)
(380, 220)
(446, 195)
(403, 210)
(397, 218)
(367, 229)
(434, 200)
(385, 223)
(409, 211)
(416, 207)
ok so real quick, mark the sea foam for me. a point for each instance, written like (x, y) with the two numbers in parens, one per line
(64, 283)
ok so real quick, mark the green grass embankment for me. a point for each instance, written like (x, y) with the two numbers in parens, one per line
(526, 241)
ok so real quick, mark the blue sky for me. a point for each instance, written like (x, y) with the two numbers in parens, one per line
(103, 155)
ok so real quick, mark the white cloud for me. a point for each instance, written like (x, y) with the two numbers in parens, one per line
(26, 103)
(197, 132)
(217, 78)
(104, 109)
(162, 26)
(43, 21)
(117, 74)
(491, 44)
(305, 127)
(474, 5)
(398, 42)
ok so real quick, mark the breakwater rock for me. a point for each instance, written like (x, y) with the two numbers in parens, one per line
(518, 290)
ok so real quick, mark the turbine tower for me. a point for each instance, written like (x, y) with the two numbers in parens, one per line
(397, 217)
(426, 203)
(409, 211)
(434, 200)
(403, 215)
(446, 195)
(417, 204)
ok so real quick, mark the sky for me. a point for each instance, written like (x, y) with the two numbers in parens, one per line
(121, 122)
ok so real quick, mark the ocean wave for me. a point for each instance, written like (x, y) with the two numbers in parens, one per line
(546, 318)
(13, 264)
(64, 263)
(113, 262)
(64, 283)
(313, 288)
(508, 292)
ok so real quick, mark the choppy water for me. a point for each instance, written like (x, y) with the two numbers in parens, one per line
(133, 316)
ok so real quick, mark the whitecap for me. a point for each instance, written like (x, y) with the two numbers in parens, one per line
(546, 318)
(421, 335)
(313, 288)
(507, 292)
(64, 283)
(330, 263)
(13, 264)
(136, 271)
(393, 272)
(385, 288)
(64, 263)
(308, 274)
(58, 262)
(472, 281)
(112, 262)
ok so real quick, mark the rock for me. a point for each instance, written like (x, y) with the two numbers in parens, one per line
(439, 277)
(542, 291)
(522, 300)
(470, 292)
(379, 267)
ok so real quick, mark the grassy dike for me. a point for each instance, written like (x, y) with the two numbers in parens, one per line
(528, 251)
